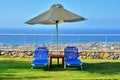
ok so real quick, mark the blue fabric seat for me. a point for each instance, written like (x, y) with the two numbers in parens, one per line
(40, 57)
(71, 57)
(73, 62)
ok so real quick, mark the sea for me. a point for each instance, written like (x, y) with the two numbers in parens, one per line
(52, 39)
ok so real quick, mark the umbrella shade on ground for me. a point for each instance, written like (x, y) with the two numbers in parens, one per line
(56, 14)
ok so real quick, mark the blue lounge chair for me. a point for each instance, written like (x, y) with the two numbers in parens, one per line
(40, 57)
(71, 57)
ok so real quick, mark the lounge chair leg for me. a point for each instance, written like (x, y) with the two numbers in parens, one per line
(64, 66)
(48, 66)
(31, 67)
(81, 67)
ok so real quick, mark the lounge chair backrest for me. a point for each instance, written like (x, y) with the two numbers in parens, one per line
(41, 53)
(71, 53)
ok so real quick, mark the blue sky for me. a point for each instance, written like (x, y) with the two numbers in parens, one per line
(101, 14)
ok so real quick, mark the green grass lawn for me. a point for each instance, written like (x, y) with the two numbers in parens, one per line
(19, 68)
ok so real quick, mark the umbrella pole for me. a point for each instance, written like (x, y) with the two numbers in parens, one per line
(57, 35)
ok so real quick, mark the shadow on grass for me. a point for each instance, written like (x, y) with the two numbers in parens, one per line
(103, 68)
(15, 77)
(39, 77)
(55, 67)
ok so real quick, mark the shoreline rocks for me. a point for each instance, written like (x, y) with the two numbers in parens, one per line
(82, 54)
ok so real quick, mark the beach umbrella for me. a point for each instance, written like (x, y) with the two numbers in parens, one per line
(55, 15)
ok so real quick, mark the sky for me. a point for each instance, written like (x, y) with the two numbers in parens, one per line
(101, 14)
